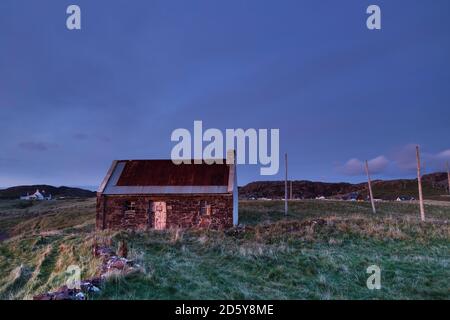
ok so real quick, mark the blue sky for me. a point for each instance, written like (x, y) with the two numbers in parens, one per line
(72, 101)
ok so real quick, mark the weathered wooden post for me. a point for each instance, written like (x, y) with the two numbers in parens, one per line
(448, 178)
(372, 201)
(419, 181)
(290, 196)
(285, 185)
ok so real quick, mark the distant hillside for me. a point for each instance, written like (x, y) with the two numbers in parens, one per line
(56, 192)
(434, 185)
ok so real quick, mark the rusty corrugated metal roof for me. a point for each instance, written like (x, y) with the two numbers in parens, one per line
(166, 173)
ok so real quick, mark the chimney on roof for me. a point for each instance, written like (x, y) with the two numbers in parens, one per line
(231, 156)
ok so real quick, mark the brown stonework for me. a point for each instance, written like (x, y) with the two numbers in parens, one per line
(182, 211)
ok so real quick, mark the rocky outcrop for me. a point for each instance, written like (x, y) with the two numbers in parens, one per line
(112, 264)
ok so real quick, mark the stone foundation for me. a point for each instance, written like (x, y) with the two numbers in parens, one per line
(181, 211)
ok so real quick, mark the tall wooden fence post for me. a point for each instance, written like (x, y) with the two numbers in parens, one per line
(372, 201)
(448, 178)
(419, 181)
(285, 185)
(290, 195)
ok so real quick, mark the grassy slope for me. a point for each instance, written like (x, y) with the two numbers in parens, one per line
(276, 257)
(45, 238)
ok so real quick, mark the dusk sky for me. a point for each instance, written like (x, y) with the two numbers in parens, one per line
(73, 101)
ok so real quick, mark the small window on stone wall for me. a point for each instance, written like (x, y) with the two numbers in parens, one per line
(205, 208)
(130, 206)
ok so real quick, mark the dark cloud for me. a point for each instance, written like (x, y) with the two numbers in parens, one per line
(80, 136)
(36, 146)
(104, 139)
(85, 136)
(8, 161)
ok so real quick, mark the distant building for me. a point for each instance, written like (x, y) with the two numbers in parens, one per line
(158, 194)
(353, 196)
(39, 196)
(405, 198)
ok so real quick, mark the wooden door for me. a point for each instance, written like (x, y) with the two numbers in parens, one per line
(159, 210)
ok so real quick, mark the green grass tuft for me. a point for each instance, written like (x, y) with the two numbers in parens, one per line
(321, 250)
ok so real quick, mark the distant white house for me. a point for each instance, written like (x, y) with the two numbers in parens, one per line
(405, 198)
(37, 196)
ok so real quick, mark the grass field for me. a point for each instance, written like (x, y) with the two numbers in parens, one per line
(321, 250)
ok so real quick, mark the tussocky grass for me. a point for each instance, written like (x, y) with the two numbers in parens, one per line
(321, 250)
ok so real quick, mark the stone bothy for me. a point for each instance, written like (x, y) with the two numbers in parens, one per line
(158, 194)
